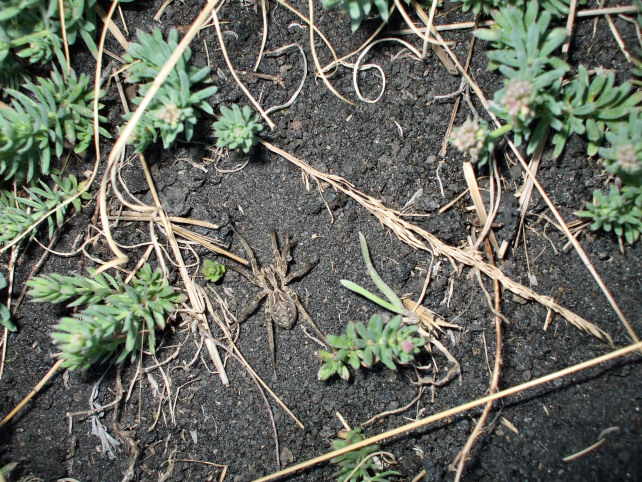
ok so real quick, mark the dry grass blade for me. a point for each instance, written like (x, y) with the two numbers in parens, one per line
(247, 93)
(128, 129)
(418, 237)
(480, 209)
(549, 203)
(198, 308)
(455, 410)
(320, 72)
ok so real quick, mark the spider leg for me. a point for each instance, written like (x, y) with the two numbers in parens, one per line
(306, 316)
(251, 308)
(270, 328)
(250, 254)
(250, 277)
(281, 259)
(300, 273)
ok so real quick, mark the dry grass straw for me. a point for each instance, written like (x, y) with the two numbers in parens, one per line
(247, 93)
(460, 460)
(456, 410)
(576, 245)
(421, 239)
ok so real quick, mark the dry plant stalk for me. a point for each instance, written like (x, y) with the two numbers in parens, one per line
(421, 239)
(455, 410)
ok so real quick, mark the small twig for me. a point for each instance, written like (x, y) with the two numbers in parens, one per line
(247, 93)
(455, 410)
(33, 392)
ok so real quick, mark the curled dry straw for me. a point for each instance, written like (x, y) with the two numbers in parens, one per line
(421, 239)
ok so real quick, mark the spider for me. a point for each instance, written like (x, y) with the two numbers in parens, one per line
(282, 303)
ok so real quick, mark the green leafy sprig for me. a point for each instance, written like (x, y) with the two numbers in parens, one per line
(118, 316)
(358, 9)
(619, 211)
(357, 465)
(524, 47)
(213, 271)
(589, 107)
(237, 128)
(174, 109)
(32, 28)
(18, 214)
(5, 314)
(624, 154)
(475, 141)
(60, 115)
(389, 343)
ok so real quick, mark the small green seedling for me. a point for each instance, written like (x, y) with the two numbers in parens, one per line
(237, 128)
(116, 317)
(213, 271)
(358, 465)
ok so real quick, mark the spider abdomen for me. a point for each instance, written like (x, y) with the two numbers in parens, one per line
(282, 309)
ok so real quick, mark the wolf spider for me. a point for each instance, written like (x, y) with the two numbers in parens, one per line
(282, 303)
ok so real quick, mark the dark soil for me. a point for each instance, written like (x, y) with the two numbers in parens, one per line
(230, 425)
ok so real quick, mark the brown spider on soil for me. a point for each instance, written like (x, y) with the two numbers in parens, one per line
(282, 302)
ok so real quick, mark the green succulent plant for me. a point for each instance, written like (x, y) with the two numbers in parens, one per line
(557, 8)
(624, 154)
(361, 345)
(174, 109)
(18, 213)
(523, 53)
(213, 271)
(357, 465)
(620, 212)
(237, 128)
(5, 314)
(474, 140)
(59, 115)
(589, 107)
(32, 28)
(117, 316)
(358, 9)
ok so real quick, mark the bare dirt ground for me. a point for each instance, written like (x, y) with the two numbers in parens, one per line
(180, 416)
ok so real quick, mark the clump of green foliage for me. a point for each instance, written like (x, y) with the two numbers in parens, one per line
(620, 212)
(5, 314)
(358, 9)
(116, 316)
(534, 99)
(358, 465)
(213, 271)
(59, 115)
(474, 139)
(557, 8)
(32, 30)
(389, 343)
(19, 213)
(174, 109)
(237, 128)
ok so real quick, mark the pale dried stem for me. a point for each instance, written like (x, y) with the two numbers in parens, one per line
(192, 292)
(455, 410)
(544, 195)
(314, 27)
(413, 236)
(247, 93)
(460, 460)
(128, 129)
(569, 27)
(320, 72)
(265, 32)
